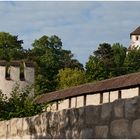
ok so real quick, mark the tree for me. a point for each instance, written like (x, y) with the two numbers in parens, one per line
(119, 55)
(132, 61)
(10, 47)
(106, 62)
(95, 69)
(67, 61)
(70, 77)
(18, 105)
(50, 58)
(99, 65)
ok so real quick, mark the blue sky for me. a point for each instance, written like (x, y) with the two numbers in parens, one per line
(82, 26)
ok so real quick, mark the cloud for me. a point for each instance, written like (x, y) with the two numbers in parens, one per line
(82, 26)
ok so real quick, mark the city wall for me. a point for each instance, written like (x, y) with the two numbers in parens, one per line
(93, 99)
(119, 119)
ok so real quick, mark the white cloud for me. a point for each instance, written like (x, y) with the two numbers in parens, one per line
(80, 25)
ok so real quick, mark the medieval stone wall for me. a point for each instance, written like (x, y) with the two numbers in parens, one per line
(119, 119)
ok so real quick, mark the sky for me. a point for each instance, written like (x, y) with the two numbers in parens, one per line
(81, 26)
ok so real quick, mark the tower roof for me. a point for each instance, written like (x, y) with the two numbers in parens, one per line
(136, 31)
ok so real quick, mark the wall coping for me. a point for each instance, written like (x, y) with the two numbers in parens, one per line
(16, 63)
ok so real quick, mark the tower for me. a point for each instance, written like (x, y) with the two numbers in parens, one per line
(135, 38)
(18, 72)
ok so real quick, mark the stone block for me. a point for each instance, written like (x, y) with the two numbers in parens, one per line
(53, 121)
(46, 136)
(92, 115)
(81, 117)
(59, 135)
(131, 108)
(101, 132)
(87, 133)
(106, 112)
(27, 127)
(3, 129)
(19, 125)
(13, 127)
(120, 129)
(8, 128)
(35, 126)
(43, 122)
(73, 117)
(136, 129)
(118, 108)
(68, 133)
(75, 133)
(63, 122)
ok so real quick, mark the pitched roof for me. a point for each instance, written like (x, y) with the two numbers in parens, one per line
(136, 31)
(117, 83)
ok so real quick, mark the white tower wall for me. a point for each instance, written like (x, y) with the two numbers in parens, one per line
(29, 74)
(135, 41)
(6, 86)
(14, 73)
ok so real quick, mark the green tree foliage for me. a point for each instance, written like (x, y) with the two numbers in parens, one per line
(18, 105)
(70, 77)
(50, 58)
(106, 62)
(48, 54)
(10, 47)
(95, 69)
(119, 56)
(132, 61)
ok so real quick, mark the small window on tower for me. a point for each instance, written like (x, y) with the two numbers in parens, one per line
(7, 73)
(22, 76)
(137, 38)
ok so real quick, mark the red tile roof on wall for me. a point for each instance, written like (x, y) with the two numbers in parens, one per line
(136, 31)
(117, 83)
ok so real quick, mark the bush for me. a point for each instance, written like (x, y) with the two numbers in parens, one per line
(20, 104)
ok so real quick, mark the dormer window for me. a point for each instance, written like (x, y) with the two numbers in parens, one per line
(137, 38)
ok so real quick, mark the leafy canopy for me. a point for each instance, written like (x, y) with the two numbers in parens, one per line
(70, 77)
(10, 47)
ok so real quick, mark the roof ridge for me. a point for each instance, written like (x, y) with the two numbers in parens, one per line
(136, 31)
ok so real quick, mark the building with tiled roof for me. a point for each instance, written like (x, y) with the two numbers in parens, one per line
(135, 38)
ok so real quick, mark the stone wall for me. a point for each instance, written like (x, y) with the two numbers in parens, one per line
(119, 119)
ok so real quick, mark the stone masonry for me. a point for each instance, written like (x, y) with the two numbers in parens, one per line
(119, 119)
